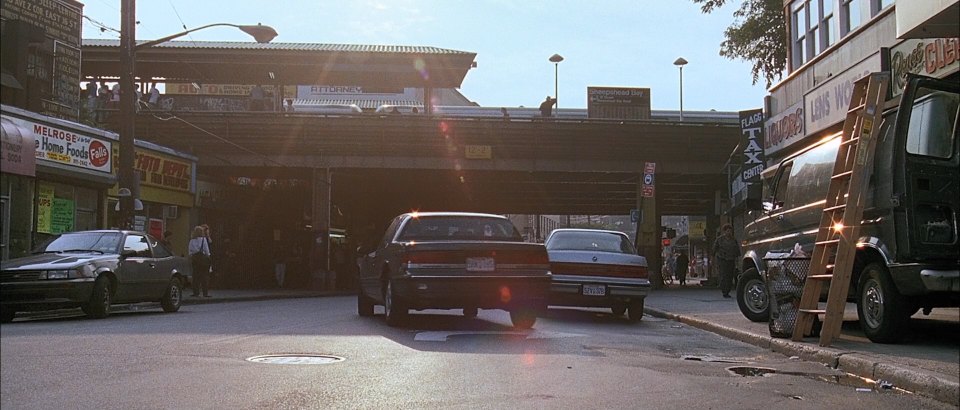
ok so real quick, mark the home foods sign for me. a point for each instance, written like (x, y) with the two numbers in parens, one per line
(67, 147)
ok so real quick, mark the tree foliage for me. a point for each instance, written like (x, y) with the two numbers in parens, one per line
(758, 35)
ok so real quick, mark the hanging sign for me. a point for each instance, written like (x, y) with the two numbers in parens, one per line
(44, 208)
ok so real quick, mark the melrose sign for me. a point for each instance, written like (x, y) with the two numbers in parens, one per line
(68, 147)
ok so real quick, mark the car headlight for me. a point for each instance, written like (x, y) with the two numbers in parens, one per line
(58, 274)
(79, 272)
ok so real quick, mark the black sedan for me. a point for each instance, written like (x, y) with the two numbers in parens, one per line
(92, 270)
(447, 260)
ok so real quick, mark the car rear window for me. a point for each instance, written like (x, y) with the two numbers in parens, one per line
(427, 228)
(589, 241)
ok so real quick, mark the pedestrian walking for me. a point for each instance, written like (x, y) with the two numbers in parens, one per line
(200, 257)
(726, 251)
(682, 263)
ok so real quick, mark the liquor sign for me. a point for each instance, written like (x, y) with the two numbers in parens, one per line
(618, 103)
(784, 129)
(933, 57)
(827, 104)
(648, 189)
(67, 147)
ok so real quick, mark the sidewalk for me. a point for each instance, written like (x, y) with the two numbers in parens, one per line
(927, 363)
(235, 295)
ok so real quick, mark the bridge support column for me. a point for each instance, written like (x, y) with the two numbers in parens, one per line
(320, 274)
(648, 234)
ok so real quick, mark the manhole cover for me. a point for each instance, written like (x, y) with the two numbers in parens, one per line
(295, 359)
(751, 371)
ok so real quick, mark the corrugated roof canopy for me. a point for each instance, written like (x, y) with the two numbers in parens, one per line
(290, 63)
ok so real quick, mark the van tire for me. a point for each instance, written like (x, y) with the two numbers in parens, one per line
(752, 296)
(883, 312)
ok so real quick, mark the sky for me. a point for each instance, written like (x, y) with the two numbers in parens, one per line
(606, 43)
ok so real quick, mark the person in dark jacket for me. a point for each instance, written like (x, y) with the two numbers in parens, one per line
(683, 263)
(726, 251)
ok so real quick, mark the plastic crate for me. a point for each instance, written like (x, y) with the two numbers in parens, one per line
(785, 279)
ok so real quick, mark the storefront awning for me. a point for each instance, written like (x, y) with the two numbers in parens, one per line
(19, 149)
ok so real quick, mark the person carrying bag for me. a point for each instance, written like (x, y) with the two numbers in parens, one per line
(199, 250)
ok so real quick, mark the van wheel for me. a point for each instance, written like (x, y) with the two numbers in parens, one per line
(752, 296)
(882, 310)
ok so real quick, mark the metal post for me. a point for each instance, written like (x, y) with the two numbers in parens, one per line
(681, 93)
(128, 101)
(556, 85)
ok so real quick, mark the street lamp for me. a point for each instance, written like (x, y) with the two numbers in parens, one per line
(128, 98)
(556, 59)
(680, 63)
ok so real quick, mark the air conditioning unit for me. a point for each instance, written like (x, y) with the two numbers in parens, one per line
(171, 212)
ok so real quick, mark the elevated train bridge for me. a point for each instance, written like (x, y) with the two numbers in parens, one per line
(358, 171)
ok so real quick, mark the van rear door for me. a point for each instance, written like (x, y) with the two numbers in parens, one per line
(927, 170)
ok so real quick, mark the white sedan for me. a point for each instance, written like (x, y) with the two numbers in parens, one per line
(597, 268)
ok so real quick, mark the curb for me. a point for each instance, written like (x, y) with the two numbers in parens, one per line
(189, 300)
(850, 362)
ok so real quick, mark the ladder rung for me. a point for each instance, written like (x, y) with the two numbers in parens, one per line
(843, 174)
(829, 242)
(834, 208)
(826, 276)
(813, 311)
(857, 108)
(852, 140)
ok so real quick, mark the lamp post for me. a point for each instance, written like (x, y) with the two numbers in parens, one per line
(556, 59)
(680, 62)
(126, 171)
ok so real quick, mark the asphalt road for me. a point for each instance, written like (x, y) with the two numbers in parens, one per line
(197, 358)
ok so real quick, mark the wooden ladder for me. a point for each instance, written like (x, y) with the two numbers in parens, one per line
(835, 248)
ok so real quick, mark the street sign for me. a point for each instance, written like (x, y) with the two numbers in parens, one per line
(648, 190)
(635, 215)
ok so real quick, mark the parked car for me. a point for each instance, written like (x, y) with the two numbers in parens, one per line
(597, 268)
(93, 270)
(446, 260)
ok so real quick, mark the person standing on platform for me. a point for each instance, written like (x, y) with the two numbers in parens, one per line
(546, 107)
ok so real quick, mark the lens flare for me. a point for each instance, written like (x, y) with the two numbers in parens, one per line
(838, 227)
(505, 295)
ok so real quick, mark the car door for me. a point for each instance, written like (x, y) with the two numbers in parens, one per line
(137, 270)
(166, 263)
(371, 264)
(927, 181)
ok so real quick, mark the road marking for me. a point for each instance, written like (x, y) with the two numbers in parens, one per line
(438, 336)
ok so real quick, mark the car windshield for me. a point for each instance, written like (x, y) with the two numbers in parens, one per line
(459, 228)
(104, 242)
(589, 241)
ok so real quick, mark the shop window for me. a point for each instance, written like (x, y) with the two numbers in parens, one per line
(66, 208)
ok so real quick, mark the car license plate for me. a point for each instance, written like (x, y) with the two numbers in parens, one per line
(594, 290)
(481, 265)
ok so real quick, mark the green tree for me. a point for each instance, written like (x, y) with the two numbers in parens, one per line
(758, 35)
